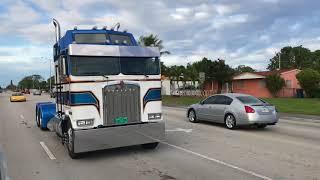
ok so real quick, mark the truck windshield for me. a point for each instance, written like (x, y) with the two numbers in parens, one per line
(99, 66)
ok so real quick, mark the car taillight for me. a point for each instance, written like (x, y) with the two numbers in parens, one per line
(249, 109)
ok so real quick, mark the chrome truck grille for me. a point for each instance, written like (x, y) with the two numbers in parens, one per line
(121, 101)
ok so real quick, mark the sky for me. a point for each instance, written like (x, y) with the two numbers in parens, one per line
(243, 32)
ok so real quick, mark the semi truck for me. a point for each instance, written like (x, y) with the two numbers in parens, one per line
(108, 91)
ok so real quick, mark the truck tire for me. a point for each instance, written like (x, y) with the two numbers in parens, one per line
(261, 126)
(70, 144)
(150, 145)
(39, 120)
(37, 117)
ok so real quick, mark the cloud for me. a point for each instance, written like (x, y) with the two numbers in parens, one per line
(240, 31)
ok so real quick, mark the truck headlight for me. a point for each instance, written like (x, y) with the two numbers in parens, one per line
(85, 122)
(152, 116)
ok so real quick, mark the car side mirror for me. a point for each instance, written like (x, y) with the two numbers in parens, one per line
(201, 102)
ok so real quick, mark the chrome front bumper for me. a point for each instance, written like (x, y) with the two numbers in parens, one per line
(118, 136)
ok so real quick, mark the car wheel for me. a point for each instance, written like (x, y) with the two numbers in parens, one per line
(261, 126)
(150, 145)
(192, 116)
(70, 144)
(230, 121)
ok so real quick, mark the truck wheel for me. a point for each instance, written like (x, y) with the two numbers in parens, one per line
(261, 126)
(70, 144)
(37, 118)
(150, 145)
(39, 121)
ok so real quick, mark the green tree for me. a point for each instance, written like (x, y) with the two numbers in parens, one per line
(32, 82)
(316, 60)
(274, 83)
(244, 68)
(292, 57)
(152, 40)
(309, 80)
(164, 69)
(191, 73)
(220, 72)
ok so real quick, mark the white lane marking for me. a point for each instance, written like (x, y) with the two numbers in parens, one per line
(21, 116)
(179, 130)
(47, 150)
(218, 161)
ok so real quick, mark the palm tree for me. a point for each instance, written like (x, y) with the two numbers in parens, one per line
(152, 40)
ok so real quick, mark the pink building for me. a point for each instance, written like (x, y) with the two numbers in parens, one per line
(254, 83)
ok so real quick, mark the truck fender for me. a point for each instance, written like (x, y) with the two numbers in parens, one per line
(45, 111)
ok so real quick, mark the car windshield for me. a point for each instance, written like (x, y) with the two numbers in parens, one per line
(17, 94)
(249, 100)
(99, 66)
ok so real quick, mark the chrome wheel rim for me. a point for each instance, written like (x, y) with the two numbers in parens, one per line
(230, 121)
(70, 134)
(191, 116)
(39, 119)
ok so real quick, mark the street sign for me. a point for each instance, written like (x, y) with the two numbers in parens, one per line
(202, 77)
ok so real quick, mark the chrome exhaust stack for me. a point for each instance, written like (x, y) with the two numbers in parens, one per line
(57, 29)
(116, 26)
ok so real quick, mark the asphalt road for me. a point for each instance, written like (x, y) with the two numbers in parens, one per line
(289, 150)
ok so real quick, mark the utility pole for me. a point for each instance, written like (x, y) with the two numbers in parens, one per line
(50, 77)
(50, 83)
(279, 60)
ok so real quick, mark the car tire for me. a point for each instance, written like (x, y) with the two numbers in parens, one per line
(70, 144)
(150, 145)
(230, 121)
(192, 116)
(261, 126)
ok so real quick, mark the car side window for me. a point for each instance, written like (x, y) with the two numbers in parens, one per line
(219, 100)
(228, 100)
(209, 100)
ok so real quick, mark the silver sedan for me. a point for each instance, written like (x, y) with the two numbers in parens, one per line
(234, 110)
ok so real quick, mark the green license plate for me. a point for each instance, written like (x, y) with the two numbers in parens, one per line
(121, 120)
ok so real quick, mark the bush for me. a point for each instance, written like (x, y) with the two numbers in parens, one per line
(274, 83)
(309, 80)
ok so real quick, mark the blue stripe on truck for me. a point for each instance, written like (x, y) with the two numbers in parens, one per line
(82, 98)
(153, 94)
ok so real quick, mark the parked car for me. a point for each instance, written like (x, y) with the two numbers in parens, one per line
(234, 110)
(37, 93)
(17, 97)
(27, 91)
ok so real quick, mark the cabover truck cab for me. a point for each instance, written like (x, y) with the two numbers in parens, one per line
(108, 91)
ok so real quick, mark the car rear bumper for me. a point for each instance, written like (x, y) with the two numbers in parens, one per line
(251, 119)
(118, 136)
